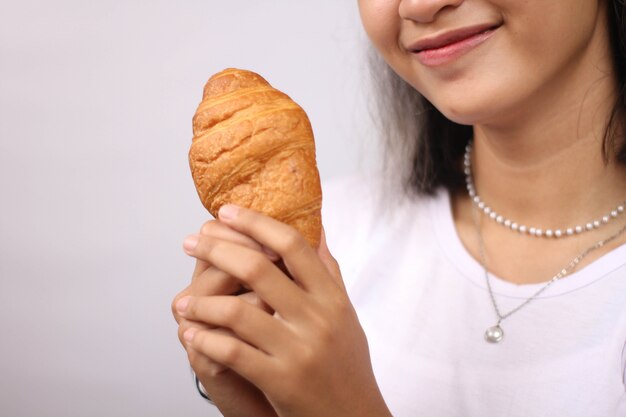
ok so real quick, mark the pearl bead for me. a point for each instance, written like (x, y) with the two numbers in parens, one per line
(557, 233)
(494, 334)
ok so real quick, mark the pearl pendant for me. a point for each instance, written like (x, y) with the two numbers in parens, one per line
(494, 334)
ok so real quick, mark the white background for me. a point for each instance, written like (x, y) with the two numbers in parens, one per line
(96, 100)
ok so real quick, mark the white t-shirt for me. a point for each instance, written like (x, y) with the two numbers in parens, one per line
(423, 303)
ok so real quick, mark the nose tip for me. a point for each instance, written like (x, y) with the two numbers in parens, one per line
(425, 11)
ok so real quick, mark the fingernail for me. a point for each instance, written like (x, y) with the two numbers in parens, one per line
(181, 305)
(228, 212)
(190, 243)
(189, 334)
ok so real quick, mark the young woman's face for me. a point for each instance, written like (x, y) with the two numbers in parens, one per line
(479, 60)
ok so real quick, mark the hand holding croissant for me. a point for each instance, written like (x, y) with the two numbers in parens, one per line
(300, 351)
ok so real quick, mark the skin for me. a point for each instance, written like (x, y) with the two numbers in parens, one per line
(303, 347)
(536, 127)
(235, 395)
(296, 348)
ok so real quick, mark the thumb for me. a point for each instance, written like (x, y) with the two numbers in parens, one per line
(329, 261)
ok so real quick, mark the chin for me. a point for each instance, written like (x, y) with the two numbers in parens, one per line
(477, 102)
(466, 113)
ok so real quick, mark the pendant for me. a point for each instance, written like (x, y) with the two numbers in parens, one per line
(494, 334)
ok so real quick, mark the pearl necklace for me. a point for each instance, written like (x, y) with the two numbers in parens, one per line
(495, 334)
(519, 227)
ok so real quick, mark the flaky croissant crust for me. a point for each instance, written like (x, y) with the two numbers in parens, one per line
(253, 146)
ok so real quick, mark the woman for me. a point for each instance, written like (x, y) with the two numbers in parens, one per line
(509, 118)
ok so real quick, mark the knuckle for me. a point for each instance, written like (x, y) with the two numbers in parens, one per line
(293, 241)
(232, 311)
(208, 227)
(335, 263)
(206, 244)
(325, 324)
(325, 330)
(341, 305)
(254, 268)
(253, 299)
(214, 369)
(231, 352)
(306, 359)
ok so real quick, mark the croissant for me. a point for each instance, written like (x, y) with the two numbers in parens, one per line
(253, 146)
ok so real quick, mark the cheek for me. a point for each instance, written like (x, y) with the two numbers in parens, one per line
(549, 31)
(381, 23)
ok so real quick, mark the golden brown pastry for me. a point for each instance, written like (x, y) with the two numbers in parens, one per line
(253, 146)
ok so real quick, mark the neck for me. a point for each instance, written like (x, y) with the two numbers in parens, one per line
(547, 167)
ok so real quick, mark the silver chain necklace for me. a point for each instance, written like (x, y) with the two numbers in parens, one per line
(494, 334)
(519, 227)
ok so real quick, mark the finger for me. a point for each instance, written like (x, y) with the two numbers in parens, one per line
(214, 281)
(253, 299)
(231, 352)
(203, 365)
(234, 395)
(329, 261)
(208, 366)
(255, 271)
(211, 281)
(251, 324)
(221, 231)
(188, 324)
(198, 361)
(299, 257)
(201, 265)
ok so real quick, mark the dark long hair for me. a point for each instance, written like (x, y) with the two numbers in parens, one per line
(423, 148)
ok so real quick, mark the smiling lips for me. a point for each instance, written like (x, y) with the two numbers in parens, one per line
(445, 48)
